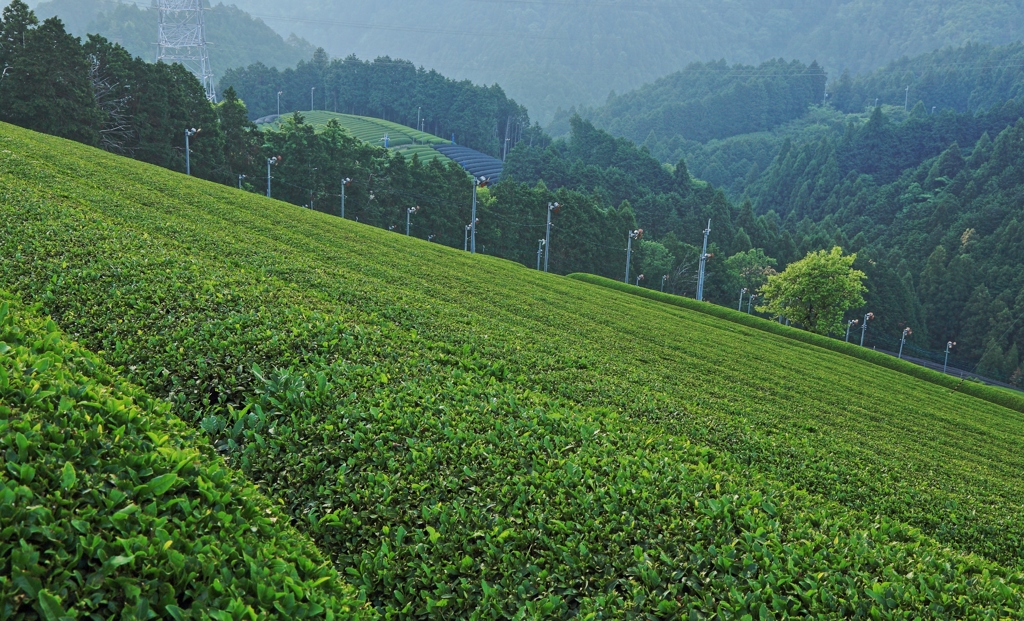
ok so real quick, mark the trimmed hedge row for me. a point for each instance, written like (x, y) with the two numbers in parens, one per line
(997, 396)
(111, 508)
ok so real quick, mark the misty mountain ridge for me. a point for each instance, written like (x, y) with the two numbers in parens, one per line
(548, 55)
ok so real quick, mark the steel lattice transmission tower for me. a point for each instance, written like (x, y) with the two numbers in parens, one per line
(183, 39)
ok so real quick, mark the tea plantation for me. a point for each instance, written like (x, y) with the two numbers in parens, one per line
(402, 139)
(110, 505)
(466, 438)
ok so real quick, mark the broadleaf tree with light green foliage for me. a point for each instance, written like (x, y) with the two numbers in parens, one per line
(816, 291)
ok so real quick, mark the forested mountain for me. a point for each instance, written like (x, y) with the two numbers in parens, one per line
(707, 101)
(555, 54)
(235, 38)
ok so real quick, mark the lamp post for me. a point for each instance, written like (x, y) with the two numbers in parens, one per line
(271, 161)
(279, 93)
(408, 218)
(188, 151)
(344, 184)
(664, 279)
(743, 291)
(903, 341)
(640, 279)
(552, 208)
(637, 235)
(864, 328)
(540, 250)
(849, 326)
(950, 345)
(704, 256)
(482, 182)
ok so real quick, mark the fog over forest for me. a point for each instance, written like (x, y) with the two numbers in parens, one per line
(548, 54)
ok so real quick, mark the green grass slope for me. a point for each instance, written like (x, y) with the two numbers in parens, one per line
(401, 139)
(110, 507)
(467, 438)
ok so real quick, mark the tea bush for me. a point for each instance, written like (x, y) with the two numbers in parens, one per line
(470, 439)
(1012, 400)
(111, 508)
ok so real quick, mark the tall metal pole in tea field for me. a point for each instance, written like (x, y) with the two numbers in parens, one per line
(903, 341)
(703, 264)
(637, 235)
(950, 345)
(849, 326)
(408, 218)
(864, 328)
(344, 184)
(540, 250)
(482, 182)
(552, 208)
(188, 150)
(743, 291)
(271, 161)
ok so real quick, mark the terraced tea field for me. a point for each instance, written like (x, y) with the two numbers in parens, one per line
(402, 139)
(466, 438)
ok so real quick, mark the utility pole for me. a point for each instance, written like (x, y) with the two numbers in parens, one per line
(950, 345)
(703, 264)
(864, 328)
(540, 251)
(906, 104)
(408, 218)
(188, 150)
(344, 184)
(279, 93)
(482, 182)
(271, 161)
(552, 208)
(465, 241)
(419, 111)
(637, 235)
(903, 341)
(743, 291)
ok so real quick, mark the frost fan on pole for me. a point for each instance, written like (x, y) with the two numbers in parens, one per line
(182, 39)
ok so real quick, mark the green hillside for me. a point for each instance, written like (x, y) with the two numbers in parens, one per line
(467, 438)
(102, 482)
(401, 139)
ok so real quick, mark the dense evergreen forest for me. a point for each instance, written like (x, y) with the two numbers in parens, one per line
(549, 55)
(236, 39)
(479, 117)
